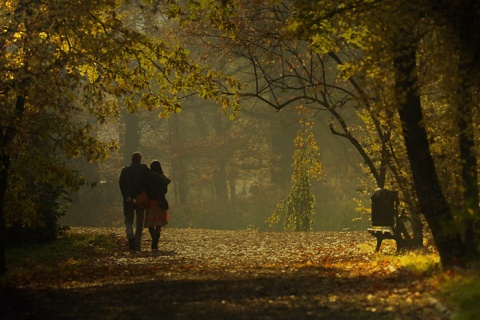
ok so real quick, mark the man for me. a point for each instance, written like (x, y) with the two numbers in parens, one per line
(132, 182)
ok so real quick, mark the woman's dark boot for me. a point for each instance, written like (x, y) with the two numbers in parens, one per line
(153, 235)
(154, 244)
(155, 240)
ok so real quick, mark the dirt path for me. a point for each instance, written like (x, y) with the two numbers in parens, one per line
(206, 274)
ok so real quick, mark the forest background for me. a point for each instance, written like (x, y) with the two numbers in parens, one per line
(230, 172)
(361, 103)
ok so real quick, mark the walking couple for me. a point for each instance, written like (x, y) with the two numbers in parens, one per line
(137, 180)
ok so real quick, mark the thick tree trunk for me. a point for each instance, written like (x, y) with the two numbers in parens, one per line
(4, 164)
(432, 201)
(468, 159)
(465, 22)
(6, 137)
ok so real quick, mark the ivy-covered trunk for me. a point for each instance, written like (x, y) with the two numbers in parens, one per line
(298, 207)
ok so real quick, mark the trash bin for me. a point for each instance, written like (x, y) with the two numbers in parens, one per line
(384, 207)
(384, 216)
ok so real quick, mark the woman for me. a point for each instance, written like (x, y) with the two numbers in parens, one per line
(156, 215)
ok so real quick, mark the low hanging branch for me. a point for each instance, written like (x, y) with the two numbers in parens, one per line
(347, 135)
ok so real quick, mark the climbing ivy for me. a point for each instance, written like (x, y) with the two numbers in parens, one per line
(298, 207)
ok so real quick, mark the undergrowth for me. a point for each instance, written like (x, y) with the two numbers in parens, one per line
(458, 290)
(26, 260)
(419, 262)
(461, 291)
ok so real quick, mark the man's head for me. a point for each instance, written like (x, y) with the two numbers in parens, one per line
(137, 157)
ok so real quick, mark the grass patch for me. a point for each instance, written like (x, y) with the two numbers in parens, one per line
(462, 293)
(419, 262)
(458, 290)
(71, 250)
(69, 245)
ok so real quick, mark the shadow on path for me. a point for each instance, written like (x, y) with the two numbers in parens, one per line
(202, 294)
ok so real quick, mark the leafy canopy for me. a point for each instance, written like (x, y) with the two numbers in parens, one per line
(68, 67)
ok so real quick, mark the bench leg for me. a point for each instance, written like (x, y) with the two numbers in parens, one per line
(379, 243)
(401, 236)
(400, 242)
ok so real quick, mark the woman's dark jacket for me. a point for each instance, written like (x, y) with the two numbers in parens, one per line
(157, 187)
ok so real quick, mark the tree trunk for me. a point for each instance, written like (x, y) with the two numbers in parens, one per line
(132, 136)
(432, 201)
(468, 161)
(411, 204)
(466, 24)
(220, 183)
(219, 174)
(282, 150)
(232, 182)
(179, 171)
(6, 137)
(5, 166)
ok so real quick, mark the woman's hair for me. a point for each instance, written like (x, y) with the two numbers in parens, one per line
(156, 166)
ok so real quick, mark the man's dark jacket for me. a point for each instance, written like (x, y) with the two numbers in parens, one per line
(133, 179)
